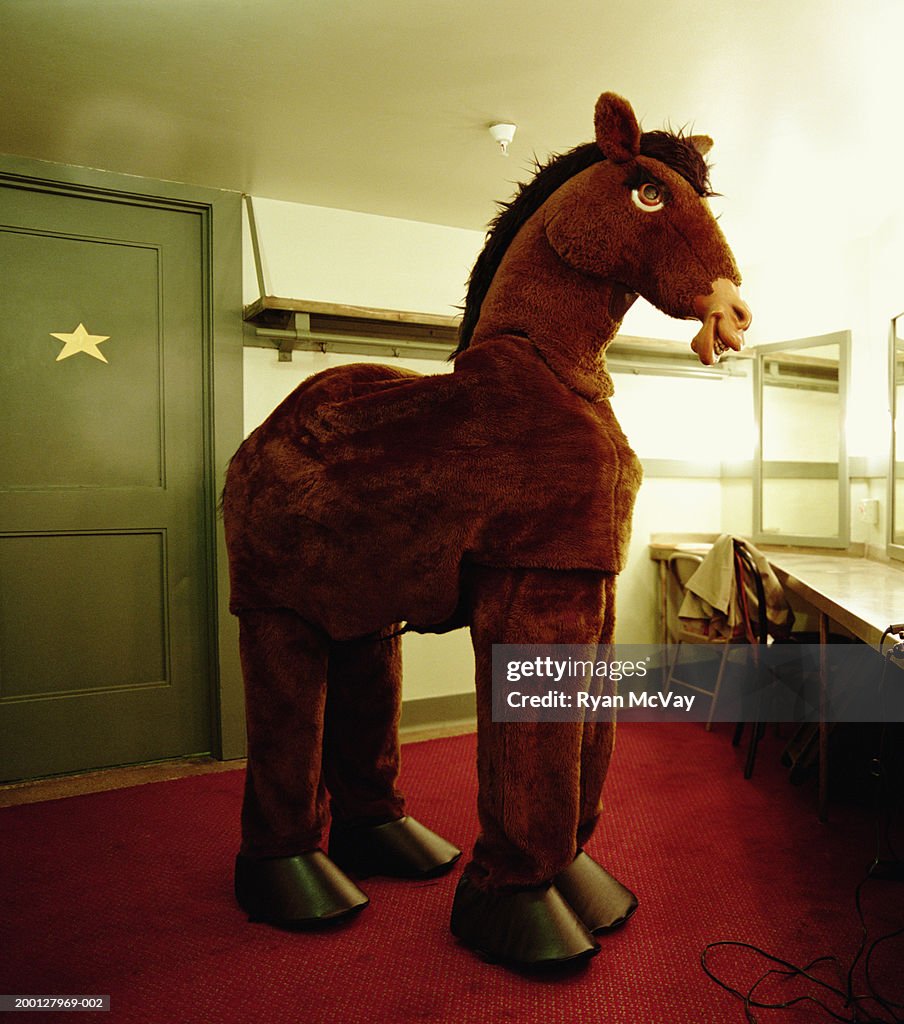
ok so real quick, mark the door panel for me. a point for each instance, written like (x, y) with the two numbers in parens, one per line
(89, 627)
(69, 281)
(104, 604)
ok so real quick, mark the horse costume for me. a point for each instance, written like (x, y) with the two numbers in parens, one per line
(498, 497)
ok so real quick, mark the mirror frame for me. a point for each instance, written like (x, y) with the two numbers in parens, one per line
(842, 539)
(893, 549)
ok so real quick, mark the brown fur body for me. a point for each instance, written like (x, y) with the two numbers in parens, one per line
(498, 464)
(499, 496)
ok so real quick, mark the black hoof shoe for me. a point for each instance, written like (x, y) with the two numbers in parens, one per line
(598, 899)
(526, 928)
(400, 849)
(296, 892)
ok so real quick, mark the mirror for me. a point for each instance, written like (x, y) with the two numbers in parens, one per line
(801, 493)
(896, 470)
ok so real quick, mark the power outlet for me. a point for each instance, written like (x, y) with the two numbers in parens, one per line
(868, 511)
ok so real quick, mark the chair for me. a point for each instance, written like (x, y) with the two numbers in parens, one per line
(681, 566)
(753, 630)
(756, 632)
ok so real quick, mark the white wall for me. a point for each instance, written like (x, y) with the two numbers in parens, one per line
(816, 285)
(882, 254)
(817, 281)
(687, 419)
(309, 252)
(700, 422)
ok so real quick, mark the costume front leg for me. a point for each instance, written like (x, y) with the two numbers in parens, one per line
(539, 784)
(597, 736)
(600, 900)
(529, 774)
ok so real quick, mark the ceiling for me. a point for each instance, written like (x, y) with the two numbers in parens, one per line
(383, 105)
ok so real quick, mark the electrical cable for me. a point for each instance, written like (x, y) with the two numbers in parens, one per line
(857, 1005)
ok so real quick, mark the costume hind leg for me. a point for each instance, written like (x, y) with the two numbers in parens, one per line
(539, 783)
(284, 663)
(370, 832)
(360, 744)
(322, 718)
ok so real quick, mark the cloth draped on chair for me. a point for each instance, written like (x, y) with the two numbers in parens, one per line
(714, 607)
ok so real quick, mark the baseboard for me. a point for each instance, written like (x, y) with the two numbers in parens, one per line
(458, 710)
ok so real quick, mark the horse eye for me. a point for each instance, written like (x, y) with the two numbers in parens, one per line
(648, 197)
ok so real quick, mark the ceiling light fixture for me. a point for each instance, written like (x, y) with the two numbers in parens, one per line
(503, 134)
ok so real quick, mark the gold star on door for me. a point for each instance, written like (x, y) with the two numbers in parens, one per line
(81, 341)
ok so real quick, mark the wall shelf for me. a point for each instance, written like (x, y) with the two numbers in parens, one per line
(306, 325)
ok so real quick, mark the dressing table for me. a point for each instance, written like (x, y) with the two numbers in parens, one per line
(845, 590)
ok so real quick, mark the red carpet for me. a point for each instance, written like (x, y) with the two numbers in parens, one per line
(128, 893)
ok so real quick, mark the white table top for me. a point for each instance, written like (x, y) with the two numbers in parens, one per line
(860, 594)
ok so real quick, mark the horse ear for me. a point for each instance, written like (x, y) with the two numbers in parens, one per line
(702, 143)
(617, 130)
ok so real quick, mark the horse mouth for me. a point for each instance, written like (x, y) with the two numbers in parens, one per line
(725, 317)
(715, 338)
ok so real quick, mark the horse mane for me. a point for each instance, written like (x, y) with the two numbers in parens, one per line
(671, 148)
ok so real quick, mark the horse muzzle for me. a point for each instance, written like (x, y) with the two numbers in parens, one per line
(725, 316)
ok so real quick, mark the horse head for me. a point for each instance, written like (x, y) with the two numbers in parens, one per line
(640, 218)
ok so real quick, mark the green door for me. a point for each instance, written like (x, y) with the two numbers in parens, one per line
(105, 581)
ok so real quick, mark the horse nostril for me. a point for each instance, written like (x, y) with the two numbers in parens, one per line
(742, 314)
